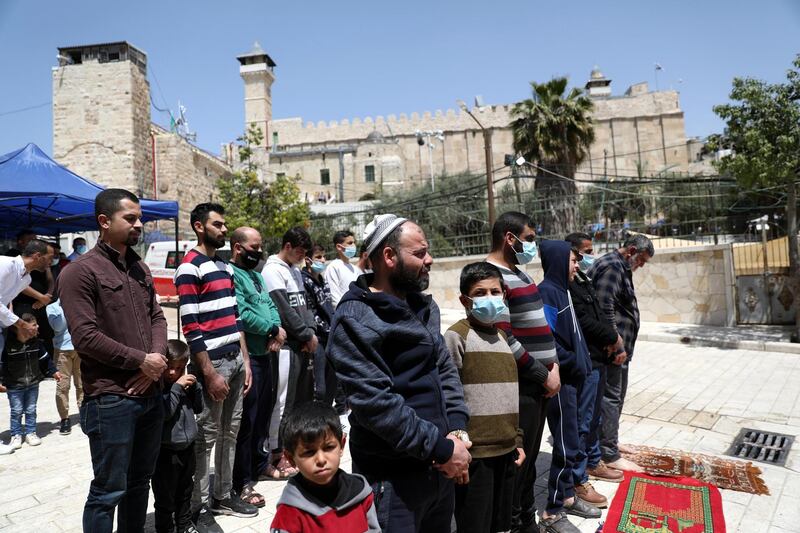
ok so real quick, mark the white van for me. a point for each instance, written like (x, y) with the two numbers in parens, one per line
(163, 259)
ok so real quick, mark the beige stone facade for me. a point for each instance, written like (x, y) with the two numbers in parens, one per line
(102, 130)
(638, 132)
(101, 122)
(184, 173)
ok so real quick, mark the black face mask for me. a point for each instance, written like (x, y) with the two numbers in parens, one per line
(250, 258)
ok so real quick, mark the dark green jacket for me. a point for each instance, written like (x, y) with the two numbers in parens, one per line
(257, 311)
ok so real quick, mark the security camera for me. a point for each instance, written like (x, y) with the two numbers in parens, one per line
(420, 140)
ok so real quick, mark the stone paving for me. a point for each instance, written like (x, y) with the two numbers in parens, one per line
(692, 398)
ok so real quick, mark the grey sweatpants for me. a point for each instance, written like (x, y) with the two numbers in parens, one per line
(218, 426)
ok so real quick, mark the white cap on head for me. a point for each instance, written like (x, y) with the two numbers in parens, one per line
(376, 231)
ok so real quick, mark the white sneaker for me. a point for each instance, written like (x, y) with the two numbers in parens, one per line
(6, 449)
(16, 442)
(31, 439)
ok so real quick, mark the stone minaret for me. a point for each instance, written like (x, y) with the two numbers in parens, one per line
(256, 69)
(101, 115)
(598, 85)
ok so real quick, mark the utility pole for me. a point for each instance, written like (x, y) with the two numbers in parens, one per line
(487, 147)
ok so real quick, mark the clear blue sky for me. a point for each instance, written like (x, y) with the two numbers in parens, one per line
(355, 58)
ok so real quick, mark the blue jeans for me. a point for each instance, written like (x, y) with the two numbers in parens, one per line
(590, 396)
(124, 440)
(23, 401)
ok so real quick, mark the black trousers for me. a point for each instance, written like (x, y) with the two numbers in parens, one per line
(412, 502)
(257, 406)
(324, 377)
(484, 504)
(172, 488)
(532, 416)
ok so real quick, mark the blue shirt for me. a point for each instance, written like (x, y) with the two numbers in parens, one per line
(61, 338)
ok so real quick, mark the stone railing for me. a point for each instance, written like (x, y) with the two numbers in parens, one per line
(681, 285)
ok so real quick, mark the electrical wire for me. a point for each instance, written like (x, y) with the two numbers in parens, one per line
(23, 109)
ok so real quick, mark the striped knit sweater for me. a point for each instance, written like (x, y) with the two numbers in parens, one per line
(524, 323)
(207, 302)
(489, 376)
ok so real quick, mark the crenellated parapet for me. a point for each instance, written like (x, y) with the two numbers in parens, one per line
(295, 131)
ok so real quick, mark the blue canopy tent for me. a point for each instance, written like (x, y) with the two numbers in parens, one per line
(39, 194)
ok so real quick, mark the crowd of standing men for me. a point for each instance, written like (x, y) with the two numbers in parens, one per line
(442, 428)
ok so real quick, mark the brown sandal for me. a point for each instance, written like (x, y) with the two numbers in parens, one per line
(249, 494)
(286, 469)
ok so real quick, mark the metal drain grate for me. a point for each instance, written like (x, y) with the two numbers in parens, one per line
(761, 446)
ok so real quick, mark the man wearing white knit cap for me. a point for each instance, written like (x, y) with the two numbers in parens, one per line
(408, 415)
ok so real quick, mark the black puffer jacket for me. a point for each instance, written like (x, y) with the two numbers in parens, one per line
(25, 363)
(597, 331)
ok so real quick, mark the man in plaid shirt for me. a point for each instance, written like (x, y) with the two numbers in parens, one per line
(612, 276)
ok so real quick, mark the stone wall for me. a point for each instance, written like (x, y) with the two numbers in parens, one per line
(644, 131)
(101, 118)
(186, 174)
(689, 285)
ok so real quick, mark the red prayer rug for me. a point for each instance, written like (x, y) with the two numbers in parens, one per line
(646, 504)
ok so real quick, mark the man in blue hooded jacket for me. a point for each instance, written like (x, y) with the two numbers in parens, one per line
(408, 416)
(560, 264)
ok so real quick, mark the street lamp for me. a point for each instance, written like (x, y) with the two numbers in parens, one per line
(424, 137)
(487, 147)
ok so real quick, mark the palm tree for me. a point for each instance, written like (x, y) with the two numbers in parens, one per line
(554, 129)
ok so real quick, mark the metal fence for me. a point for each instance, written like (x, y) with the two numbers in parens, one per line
(675, 211)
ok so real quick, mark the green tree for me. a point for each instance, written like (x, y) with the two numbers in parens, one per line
(553, 129)
(271, 208)
(762, 126)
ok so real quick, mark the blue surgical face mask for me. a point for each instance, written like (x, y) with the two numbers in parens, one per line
(318, 266)
(528, 251)
(587, 261)
(81, 249)
(487, 309)
(350, 251)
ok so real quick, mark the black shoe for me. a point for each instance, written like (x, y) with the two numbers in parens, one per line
(233, 507)
(583, 509)
(191, 529)
(66, 427)
(204, 522)
(557, 524)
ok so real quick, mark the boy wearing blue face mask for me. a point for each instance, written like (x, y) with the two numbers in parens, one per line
(339, 273)
(488, 373)
(318, 299)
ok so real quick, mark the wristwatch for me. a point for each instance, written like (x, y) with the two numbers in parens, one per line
(460, 434)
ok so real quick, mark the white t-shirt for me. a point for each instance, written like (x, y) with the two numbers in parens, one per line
(339, 275)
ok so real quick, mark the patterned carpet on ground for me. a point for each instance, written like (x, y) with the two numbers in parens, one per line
(723, 473)
(648, 504)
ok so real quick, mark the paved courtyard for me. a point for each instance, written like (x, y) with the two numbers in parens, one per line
(691, 398)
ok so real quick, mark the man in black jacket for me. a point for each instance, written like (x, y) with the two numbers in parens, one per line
(603, 342)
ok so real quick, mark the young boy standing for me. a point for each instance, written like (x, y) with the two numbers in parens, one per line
(321, 497)
(488, 372)
(25, 364)
(340, 273)
(318, 298)
(560, 264)
(172, 478)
